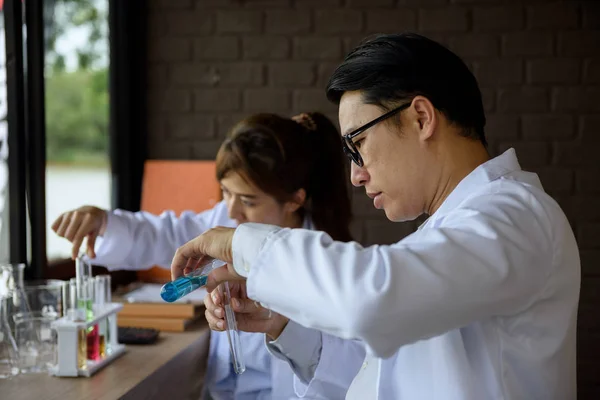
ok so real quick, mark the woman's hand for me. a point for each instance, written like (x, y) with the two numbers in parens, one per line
(250, 316)
(75, 225)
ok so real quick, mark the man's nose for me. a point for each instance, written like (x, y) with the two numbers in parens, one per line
(358, 175)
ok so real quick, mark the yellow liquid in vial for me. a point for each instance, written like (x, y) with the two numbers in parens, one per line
(82, 349)
(102, 347)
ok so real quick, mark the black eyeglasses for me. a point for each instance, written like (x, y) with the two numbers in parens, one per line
(350, 148)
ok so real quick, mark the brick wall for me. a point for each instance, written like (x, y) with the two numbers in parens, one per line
(212, 62)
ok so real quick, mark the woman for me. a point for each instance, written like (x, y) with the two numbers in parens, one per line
(275, 170)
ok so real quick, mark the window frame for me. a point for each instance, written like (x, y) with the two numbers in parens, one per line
(15, 98)
(27, 143)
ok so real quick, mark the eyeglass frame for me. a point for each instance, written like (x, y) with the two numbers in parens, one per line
(350, 148)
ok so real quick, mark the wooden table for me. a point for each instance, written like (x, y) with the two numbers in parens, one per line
(173, 368)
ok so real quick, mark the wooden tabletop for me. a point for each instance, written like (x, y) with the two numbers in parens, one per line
(173, 367)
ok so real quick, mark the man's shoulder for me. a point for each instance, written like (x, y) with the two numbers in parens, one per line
(514, 192)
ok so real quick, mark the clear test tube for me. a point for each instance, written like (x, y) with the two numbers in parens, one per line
(85, 287)
(78, 314)
(108, 295)
(233, 335)
(99, 293)
(65, 300)
(111, 320)
(75, 313)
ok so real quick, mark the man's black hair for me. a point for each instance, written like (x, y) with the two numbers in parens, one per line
(394, 68)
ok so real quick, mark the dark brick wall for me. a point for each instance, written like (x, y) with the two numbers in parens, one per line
(211, 62)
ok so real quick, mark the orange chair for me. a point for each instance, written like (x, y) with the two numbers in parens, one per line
(177, 186)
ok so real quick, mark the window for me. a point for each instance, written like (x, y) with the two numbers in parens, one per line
(55, 74)
(77, 112)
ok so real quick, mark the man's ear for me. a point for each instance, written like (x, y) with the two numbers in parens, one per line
(427, 118)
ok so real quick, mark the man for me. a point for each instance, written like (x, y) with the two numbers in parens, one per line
(479, 303)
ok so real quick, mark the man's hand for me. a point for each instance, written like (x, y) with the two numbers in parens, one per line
(250, 316)
(214, 243)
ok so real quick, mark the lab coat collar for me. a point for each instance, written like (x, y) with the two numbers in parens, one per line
(487, 172)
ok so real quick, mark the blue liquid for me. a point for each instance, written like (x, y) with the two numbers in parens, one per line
(180, 287)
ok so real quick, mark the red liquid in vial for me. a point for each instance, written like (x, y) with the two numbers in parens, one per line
(93, 343)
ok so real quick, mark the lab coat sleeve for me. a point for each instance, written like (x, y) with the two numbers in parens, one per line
(323, 365)
(490, 256)
(140, 240)
(339, 363)
(221, 380)
(300, 347)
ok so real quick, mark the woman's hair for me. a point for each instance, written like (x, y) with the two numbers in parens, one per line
(281, 155)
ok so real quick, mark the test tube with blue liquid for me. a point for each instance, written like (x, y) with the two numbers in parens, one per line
(173, 291)
(184, 285)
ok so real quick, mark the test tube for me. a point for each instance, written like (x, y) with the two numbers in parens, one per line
(78, 314)
(111, 320)
(75, 312)
(99, 305)
(85, 299)
(93, 332)
(184, 285)
(83, 276)
(108, 293)
(233, 335)
(99, 293)
(65, 300)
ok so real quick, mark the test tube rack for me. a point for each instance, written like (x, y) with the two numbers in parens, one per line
(68, 342)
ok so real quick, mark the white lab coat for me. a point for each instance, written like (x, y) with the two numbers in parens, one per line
(324, 365)
(136, 241)
(479, 303)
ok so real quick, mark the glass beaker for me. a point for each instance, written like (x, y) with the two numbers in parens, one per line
(30, 311)
(36, 341)
(11, 286)
(8, 347)
(44, 296)
(11, 277)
